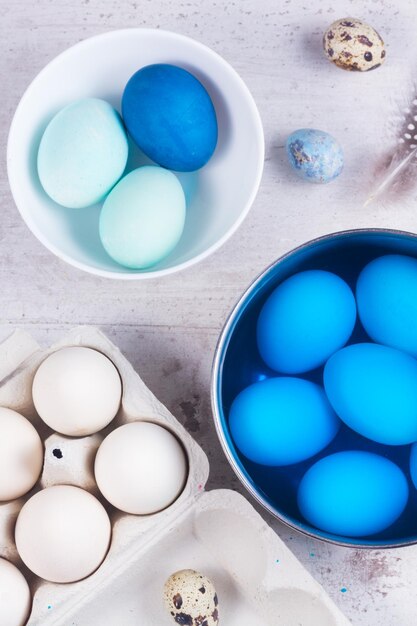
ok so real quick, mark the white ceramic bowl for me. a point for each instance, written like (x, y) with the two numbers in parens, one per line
(219, 195)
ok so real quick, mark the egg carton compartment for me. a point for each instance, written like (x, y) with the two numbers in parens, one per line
(258, 579)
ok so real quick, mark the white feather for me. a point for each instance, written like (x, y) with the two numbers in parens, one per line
(401, 171)
(391, 175)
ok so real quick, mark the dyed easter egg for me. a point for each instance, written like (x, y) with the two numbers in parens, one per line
(386, 294)
(413, 464)
(353, 493)
(170, 116)
(82, 153)
(373, 389)
(280, 421)
(305, 319)
(143, 217)
(314, 155)
(353, 45)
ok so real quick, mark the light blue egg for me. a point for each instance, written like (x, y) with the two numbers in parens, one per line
(280, 421)
(386, 294)
(373, 389)
(82, 153)
(143, 217)
(305, 319)
(353, 494)
(315, 155)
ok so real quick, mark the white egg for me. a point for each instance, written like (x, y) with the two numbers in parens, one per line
(141, 468)
(21, 455)
(15, 598)
(190, 598)
(77, 391)
(63, 533)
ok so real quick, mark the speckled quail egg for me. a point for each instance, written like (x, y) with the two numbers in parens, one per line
(191, 599)
(353, 45)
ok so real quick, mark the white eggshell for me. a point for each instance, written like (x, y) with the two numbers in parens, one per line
(141, 468)
(21, 455)
(77, 391)
(63, 533)
(15, 598)
(190, 598)
(82, 153)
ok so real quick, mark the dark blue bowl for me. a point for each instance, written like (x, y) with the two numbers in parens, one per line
(238, 364)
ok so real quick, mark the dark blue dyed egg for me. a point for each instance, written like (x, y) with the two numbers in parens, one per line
(170, 116)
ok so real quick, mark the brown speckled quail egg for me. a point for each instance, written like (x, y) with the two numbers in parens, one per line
(353, 45)
(191, 599)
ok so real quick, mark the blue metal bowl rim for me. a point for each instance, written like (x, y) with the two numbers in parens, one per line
(215, 400)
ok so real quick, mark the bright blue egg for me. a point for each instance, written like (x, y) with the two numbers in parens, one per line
(353, 494)
(314, 155)
(280, 421)
(373, 389)
(305, 319)
(386, 293)
(413, 464)
(170, 116)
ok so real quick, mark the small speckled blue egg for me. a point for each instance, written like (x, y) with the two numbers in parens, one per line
(353, 494)
(305, 319)
(143, 217)
(315, 155)
(373, 389)
(280, 421)
(170, 116)
(386, 294)
(82, 153)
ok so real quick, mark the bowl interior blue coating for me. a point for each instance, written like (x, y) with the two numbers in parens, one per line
(238, 364)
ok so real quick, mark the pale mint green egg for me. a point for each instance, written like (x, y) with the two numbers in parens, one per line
(82, 153)
(143, 217)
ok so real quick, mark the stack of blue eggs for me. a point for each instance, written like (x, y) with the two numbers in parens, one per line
(84, 151)
(321, 384)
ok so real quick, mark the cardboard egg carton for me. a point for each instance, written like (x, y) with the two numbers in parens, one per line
(258, 580)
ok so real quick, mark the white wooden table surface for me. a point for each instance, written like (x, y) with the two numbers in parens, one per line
(168, 328)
